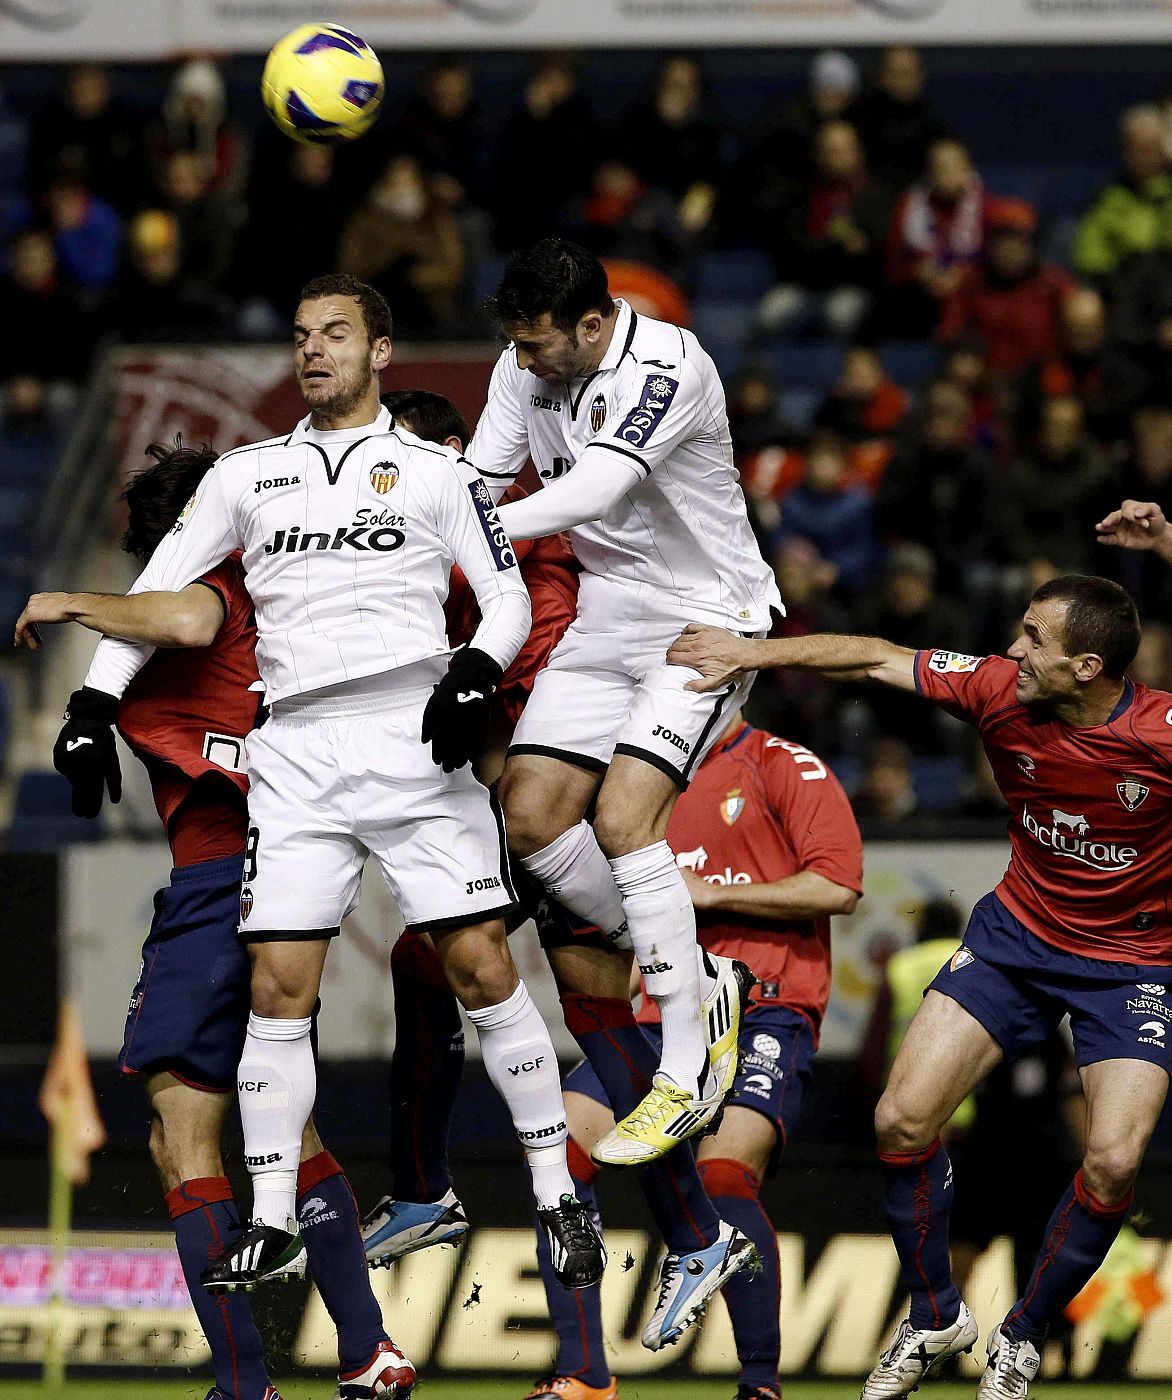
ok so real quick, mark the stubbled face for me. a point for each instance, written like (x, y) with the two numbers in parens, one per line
(1044, 671)
(550, 353)
(333, 358)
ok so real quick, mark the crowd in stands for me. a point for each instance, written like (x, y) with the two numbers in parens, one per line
(933, 391)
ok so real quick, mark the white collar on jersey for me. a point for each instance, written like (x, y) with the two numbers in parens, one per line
(618, 341)
(383, 423)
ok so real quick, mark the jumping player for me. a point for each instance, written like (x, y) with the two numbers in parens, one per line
(624, 418)
(349, 527)
(1078, 926)
(186, 716)
(769, 848)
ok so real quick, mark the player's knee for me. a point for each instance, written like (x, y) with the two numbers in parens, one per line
(620, 830)
(899, 1128)
(1109, 1169)
(159, 1147)
(478, 965)
(279, 989)
(527, 816)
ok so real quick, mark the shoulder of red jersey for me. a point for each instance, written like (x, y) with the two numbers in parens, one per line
(1149, 719)
(969, 684)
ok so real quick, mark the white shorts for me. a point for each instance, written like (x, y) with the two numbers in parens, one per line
(607, 691)
(335, 781)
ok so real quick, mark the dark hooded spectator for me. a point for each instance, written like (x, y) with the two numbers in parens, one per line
(828, 241)
(937, 230)
(209, 221)
(87, 136)
(408, 245)
(755, 415)
(886, 795)
(865, 408)
(1010, 299)
(535, 185)
(834, 514)
(55, 338)
(965, 363)
(195, 119)
(897, 122)
(1133, 214)
(786, 144)
(1141, 324)
(938, 490)
(87, 234)
(154, 302)
(442, 128)
(1053, 495)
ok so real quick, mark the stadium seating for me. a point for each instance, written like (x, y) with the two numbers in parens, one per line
(41, 818)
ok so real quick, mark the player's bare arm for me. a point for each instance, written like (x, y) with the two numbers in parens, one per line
(188, 618)
(806, 895)
(1137, 525)
(722, 656)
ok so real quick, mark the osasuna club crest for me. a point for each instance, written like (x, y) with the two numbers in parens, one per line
(597, 413)
(383, 476)
(732, 807)
(1132, 792)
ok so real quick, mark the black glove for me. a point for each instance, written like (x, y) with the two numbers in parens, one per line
(455, 720)
(85, 751)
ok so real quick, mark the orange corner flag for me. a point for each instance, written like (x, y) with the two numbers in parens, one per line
(67, 1099)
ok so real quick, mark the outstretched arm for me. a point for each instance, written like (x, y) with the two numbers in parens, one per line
(722, 656)
(1137, 525)
(189, 618)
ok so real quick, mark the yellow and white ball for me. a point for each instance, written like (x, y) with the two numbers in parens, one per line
(322, 83)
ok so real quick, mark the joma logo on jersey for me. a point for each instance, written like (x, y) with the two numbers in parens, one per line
(659, 732)
(1068, 834)
(360, 536)
(271, 483)
(551, 405)
(489, 882)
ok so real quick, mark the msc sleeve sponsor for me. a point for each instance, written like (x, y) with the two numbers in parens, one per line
(638, 426)
(499, 544)
(952, 663)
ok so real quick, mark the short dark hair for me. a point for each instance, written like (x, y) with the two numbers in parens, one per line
(157, 494)
(557, 276)
(375, 311)
(1101, 619)
(429, 416)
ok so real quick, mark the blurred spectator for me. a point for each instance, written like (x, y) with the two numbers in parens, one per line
(827, 241)
(1153, 662)
(938, 490)
(87, 136)
(865, 408)
(154, 302)
(965, 363)
(1010, 299)
(408, 245)
(937, 230)
(442, 128)
(834, 514)
(195, 119)
(784, 147)
(299, 191)
(623, 220)
(1151, 467)
(887, 794)
(897, 122)
(534, 183)
(87, 234)
(755, 415)
(649, 291)
(1141, 323)
(1134, 213)
(55, 339)
(1053, 495)
(983, 799)
(672, 141)
(208, 220)
(29, 440)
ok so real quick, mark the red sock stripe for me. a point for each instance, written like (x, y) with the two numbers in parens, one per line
(582, 1168)
(200, 1191)
(725, 1176)
(910, 1159)
(1091, 1203)
(586, 1013)
(316, 1170)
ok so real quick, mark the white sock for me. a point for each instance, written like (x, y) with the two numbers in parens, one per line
(277, 1083)
(574, 870)
(662, 923)
(520, 1060)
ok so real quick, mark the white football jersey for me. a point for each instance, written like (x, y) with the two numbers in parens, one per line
(681, 536)
(348, 540)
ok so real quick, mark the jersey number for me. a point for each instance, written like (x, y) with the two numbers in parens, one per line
(250, 854)
(561, 465)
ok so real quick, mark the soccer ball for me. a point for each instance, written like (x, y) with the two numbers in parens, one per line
(321, 83)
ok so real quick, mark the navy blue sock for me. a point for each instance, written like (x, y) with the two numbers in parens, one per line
(576, 1314)
(204, 1218)
(426, 1067)
(624, 1060)
(753, 1298)
(327, 1216)
(1081, 1231)
(917, 1194)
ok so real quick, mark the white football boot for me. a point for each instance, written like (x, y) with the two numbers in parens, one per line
(1012, 1365)
(916, 1355)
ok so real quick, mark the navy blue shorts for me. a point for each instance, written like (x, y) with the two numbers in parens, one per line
(189, 1009)
(777, 1056)
(1019, 987)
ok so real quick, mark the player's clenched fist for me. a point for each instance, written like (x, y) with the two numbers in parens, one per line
(718, 655)
(1137, 525)
(85, 752)
(455, 719)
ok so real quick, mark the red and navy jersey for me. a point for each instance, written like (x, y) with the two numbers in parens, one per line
(550, 573)
(186, 715)
(760, 809)
(1090, 809)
